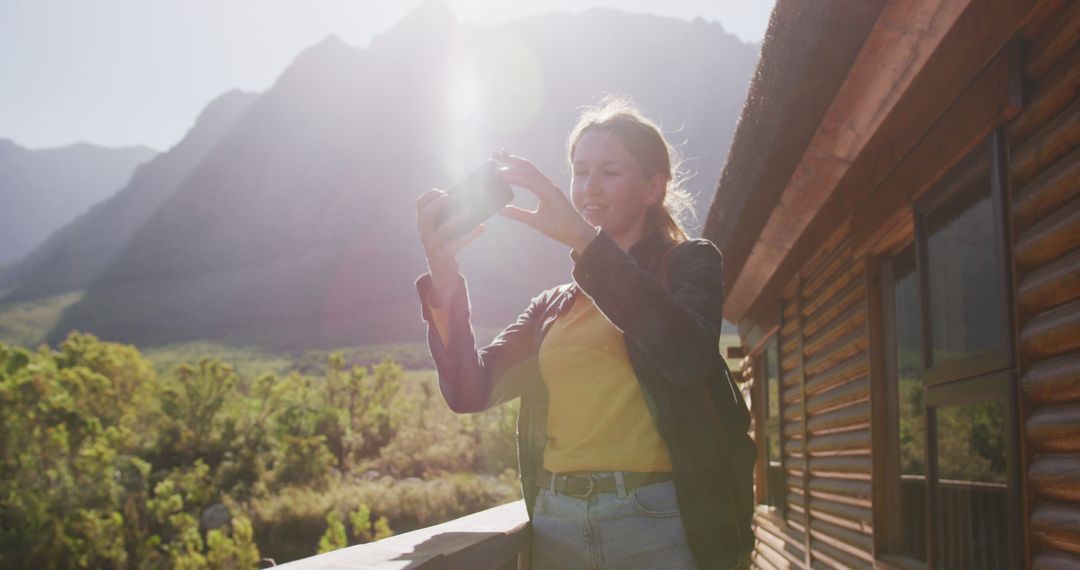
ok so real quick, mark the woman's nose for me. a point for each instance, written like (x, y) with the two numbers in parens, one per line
(592, 184)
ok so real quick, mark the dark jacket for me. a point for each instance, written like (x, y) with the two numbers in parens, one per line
(671, 325)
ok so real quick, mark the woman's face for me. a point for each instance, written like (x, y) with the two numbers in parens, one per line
(609, 189)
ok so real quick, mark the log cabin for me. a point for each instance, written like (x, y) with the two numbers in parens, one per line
(899, 215)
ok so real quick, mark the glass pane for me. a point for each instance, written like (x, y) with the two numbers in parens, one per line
(776, 486)
(972, 489)
(963, 277)
(912, 422)
(774, 477)
(773, 446)
(772, 374)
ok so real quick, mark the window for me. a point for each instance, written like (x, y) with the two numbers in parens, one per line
(768, 366)
(950, 487)
(961, 270)
(907, 469)
(971, 485)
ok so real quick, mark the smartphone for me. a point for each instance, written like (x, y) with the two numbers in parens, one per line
(480, 196)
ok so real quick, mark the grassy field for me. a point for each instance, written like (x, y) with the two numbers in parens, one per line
(254, 360)
(26, 324)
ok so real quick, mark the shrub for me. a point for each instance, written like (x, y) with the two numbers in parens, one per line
(104, 464)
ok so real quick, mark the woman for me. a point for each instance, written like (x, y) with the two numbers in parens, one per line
(632, 437)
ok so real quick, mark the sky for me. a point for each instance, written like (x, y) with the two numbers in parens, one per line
(138, 72)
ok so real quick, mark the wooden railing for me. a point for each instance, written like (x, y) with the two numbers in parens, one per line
(497, 538)
(972, 520)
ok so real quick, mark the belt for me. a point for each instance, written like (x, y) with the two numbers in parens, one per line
(584, 485)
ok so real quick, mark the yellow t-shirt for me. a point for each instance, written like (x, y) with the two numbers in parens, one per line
(597, 417)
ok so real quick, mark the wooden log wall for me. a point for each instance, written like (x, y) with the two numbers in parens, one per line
(823, 344)
(1044, 145)
(782, 543)
(825, 411)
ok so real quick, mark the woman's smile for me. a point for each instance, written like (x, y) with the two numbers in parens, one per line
(594, 213)
(608, 187)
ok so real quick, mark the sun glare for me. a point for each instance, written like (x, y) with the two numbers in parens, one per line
(509, 81)
(495, 86)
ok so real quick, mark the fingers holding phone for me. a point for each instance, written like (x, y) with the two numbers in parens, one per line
(457, 214)
(443, 233)
(449, 221)
(555, 216)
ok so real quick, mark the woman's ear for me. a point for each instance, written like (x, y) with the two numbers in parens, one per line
(657, 187)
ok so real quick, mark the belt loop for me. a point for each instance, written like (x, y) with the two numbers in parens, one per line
(620, 484)
(552, 489)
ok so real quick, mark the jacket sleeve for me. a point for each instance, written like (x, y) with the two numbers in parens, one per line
(471, 379)
(679, 330)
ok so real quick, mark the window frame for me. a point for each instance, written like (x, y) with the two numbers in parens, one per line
(769, 426)
(983, 376)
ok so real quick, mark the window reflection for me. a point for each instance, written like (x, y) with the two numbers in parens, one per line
(772, 373)
(773, 440)
(909, 399)
(773, 451)
(965, 291)
(972, 488)
(947, 369)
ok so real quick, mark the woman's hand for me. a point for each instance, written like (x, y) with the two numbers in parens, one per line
(441, 243)
(555, 216)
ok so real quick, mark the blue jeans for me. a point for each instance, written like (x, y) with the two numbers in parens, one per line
(642, 529)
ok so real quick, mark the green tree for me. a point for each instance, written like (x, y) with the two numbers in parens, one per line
(230, 552)
(70, 436)
(199, 412)
(300, 456)
(334, 538)
(360, 419)
(364, 530)
(104, 464)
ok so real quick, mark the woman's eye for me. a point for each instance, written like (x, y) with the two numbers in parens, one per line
(611, 173)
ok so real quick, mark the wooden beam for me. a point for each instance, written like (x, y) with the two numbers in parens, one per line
(904, 37)
(1049, 48)
(858, 145)
(985, 104)
(809, 49)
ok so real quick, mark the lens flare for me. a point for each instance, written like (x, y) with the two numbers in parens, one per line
(509, 82)
(495, 86)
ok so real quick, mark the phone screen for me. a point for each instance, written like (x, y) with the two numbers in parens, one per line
(480, 195)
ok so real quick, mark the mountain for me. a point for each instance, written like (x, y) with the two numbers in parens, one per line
(299, 228)
(73, 258)
(41, 190)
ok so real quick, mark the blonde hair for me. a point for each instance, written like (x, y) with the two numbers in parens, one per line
(643, 140)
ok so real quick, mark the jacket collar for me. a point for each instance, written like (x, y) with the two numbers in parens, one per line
(646, 252)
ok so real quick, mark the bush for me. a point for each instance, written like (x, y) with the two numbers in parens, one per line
(105, 464)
